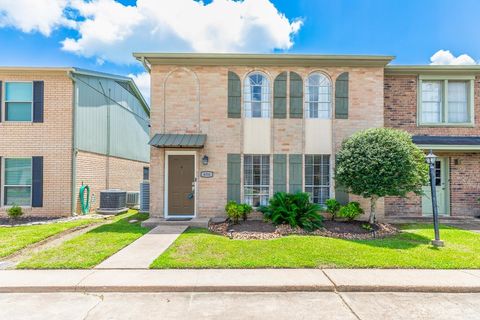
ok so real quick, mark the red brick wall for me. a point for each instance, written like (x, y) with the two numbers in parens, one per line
(400, 96)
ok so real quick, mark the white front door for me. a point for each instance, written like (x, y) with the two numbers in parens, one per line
(442, 187)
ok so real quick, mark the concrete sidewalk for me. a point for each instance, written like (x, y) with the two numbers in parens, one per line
(142, 252)
(241, 280)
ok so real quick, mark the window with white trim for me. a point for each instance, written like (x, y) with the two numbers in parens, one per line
(17, 181)
(317, 177)
(256, 99)
(18, 101)
(256, 179)
(445, 101)
(318, 96)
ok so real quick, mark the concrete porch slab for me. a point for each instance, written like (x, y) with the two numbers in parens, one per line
(141, 253)
(195, 222)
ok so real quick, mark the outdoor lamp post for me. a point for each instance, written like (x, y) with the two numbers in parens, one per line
(430, 158)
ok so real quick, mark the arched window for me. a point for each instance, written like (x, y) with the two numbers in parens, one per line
(257, 96)
(318, 96)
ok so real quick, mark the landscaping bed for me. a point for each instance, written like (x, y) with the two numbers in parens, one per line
(41, 220)
(259, 229)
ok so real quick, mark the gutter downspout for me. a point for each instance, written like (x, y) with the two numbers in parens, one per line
(74, 145)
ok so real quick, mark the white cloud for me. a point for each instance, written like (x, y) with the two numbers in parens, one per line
(111, 31)
(142, 80)
(445, 57)
(34, 15)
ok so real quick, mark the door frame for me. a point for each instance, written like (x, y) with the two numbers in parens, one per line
(446, 176)
(165, 195)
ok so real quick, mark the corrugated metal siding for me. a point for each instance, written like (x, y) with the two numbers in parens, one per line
(128, 122)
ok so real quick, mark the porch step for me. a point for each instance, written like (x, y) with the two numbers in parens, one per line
(196, 222)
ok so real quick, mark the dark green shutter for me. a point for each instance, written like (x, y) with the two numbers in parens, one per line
(295, 173)
(341, 96)
(37, 181)
(280, 96)
(38, 92)
(233, 177)
(234, 95)
(341, 195)
(279, 173)
(296, 95)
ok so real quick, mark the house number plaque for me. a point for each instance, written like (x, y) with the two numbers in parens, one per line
(206, 174)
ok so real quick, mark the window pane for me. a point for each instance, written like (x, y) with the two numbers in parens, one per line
(431, 101)
(317, 177)
(18, 91)
(457, 101)
(18, 171)
(256, 96)
(18, 111)
(318, 96)
(19, 196)
(256, 179)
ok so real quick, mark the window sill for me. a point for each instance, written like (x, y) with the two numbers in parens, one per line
(446, 125)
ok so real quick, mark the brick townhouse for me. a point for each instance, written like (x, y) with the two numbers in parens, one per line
(64, 127)
(244, 126)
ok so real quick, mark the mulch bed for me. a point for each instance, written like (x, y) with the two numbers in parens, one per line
(258, 229)
(5, 221)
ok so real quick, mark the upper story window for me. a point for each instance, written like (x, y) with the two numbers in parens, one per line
(318, 96)
(445, 101)
(257, 96)
(17, 186)
(18, 101)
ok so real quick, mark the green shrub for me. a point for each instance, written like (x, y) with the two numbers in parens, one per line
(333, 206)
(14, 211)
(246, 209)
(350, 211)
(367, 226)
(233, 211)
(293, 209)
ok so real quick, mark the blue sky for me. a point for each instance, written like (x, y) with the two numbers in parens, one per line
(412, 30)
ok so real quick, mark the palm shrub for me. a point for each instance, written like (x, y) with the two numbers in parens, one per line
(332, 207)
(295, 210)
(350, 211)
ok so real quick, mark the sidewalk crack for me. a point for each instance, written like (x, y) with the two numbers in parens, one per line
(341, 297)
(99, 296)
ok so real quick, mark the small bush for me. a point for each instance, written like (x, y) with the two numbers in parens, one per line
(293, 209)
(233, 211)
(246, 209)
(367, 227)
(350, 211)
(14, 211)
(333, 206)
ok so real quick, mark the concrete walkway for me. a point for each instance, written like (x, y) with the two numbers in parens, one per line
(141, 253)
(241, 280)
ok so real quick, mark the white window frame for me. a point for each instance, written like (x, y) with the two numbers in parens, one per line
(265, 113)
(329, 186)
(268, 193)
(3, 185)
(444, 103)
(307, 96)
(4, 105)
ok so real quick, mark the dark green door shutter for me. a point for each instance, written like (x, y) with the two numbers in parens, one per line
(296, 95)
(38, 101)
(341, 195)
(233, 177)
(280, 96)
(234, 95)
(37, 181)
(279, 173)
(295, 173)
(341, 96)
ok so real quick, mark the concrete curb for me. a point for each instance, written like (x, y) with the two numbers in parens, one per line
(240, 280)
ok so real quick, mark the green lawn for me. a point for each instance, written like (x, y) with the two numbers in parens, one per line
(13, 239)
(198, 248)
(91, 248)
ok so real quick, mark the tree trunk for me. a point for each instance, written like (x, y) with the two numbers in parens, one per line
(373, 203)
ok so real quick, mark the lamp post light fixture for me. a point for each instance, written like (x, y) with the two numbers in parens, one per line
(205, 160)
(431, 160)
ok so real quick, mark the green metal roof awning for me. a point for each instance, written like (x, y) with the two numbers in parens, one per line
(169, 140)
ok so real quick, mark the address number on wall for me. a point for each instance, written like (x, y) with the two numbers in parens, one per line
(206, 174)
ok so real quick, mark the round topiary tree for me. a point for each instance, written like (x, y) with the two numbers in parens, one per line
(381, 162)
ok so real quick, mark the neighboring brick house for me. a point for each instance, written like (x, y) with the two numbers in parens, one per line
(440, 107)
(61, 127)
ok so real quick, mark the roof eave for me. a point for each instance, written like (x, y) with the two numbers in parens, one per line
(431, 70)
(213, 59)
